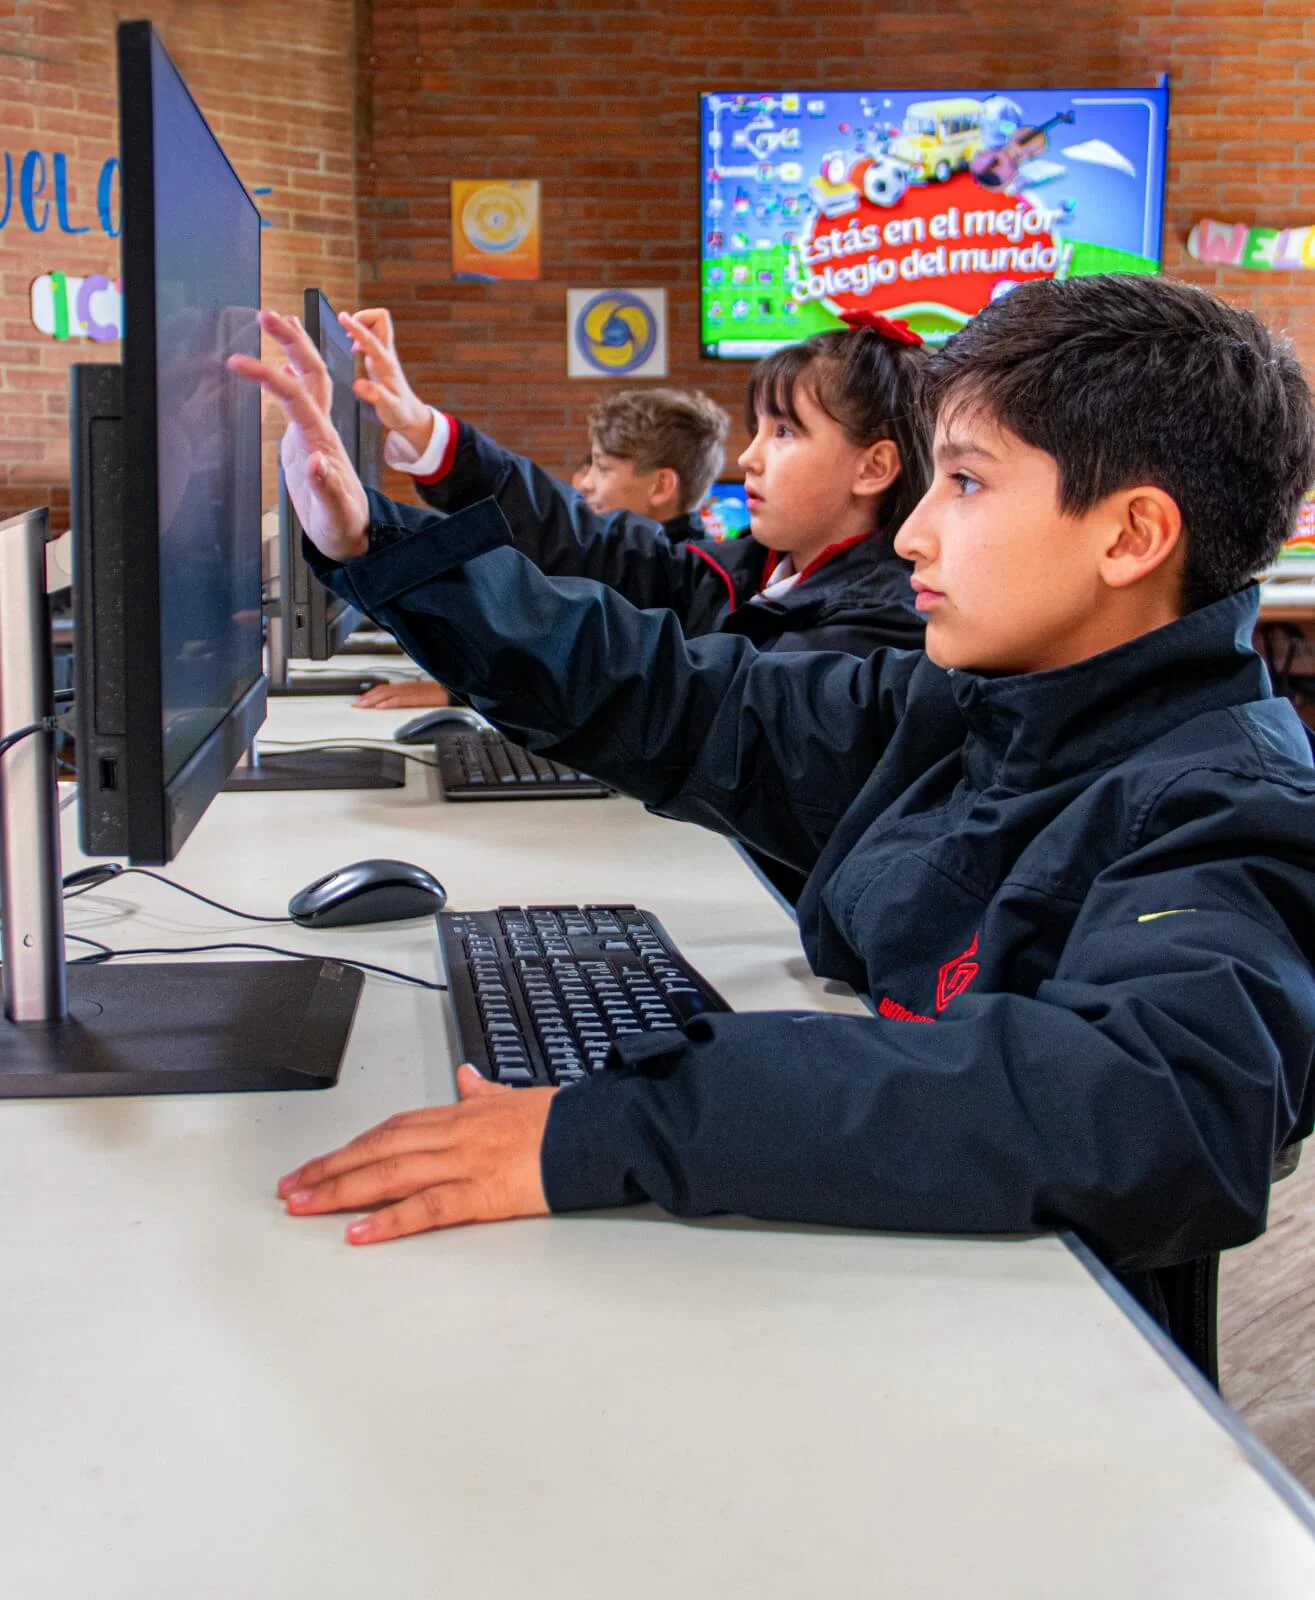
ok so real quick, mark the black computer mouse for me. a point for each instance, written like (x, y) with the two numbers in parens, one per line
(368, 891)
(424, 729)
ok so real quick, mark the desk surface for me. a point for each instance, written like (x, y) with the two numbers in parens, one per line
(202, 1397)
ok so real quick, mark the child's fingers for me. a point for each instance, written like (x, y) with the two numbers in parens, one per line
(371, 347)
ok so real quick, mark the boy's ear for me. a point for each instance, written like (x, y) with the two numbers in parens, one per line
(666, 484)
(1149, 534)
(878, 468)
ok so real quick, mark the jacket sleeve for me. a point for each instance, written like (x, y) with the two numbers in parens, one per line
(1138, 1097)
(708, 730)
(553, 526)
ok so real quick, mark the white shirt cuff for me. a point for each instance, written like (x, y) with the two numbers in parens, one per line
(398, 452)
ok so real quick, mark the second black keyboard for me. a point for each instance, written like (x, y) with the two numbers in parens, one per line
(482, 765)
(539, 993)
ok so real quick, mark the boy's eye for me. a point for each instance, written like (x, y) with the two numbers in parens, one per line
(783, 430)
(967, 483)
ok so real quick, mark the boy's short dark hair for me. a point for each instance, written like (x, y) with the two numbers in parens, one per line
(673, 428)
(1126, 380)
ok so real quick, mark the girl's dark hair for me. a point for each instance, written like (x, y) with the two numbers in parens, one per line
(867, 384)
(1144, 380)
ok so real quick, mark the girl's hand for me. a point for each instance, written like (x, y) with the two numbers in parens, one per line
(386, 388)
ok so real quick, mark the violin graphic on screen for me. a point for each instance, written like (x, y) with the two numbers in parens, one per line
(997, 169)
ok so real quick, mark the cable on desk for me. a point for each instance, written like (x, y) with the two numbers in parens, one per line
(103, 953)
(76, 884)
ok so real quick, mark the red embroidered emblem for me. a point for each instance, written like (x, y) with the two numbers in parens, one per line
(955, 976)
(893, 1011)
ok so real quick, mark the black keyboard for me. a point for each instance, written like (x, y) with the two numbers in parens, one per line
(482, 765)
(540, 992)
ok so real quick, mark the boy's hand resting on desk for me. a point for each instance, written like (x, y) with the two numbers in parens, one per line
(476, 1161)
(322, 482)
(386, 389)
(398, 696)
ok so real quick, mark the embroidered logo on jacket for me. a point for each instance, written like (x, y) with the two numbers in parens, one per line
(955, 976)
(893, 1011)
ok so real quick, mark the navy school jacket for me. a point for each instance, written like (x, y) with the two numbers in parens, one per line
(857, 600)
(1082, 902)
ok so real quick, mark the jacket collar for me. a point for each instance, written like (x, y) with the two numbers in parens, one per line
(1035, 728)
(686, 526)
(866, 573)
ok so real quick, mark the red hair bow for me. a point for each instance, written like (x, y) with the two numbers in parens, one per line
(896, 332)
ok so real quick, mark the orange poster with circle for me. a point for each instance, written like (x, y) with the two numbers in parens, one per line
(495, 228)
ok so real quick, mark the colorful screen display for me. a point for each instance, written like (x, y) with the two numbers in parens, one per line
(923, 206)
(725, 513)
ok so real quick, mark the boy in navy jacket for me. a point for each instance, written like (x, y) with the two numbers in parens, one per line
(1069, 851)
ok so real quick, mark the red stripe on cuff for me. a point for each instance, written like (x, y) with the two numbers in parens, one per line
(449, 455)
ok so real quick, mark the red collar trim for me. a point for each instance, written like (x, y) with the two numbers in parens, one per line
(721, 571)
(824, 559)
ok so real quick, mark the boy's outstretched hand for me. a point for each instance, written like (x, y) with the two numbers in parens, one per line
(322, 482)
(386, 389)
(476, 1161)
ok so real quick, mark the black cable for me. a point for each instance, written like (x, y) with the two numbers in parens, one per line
(46, 725)
(104, 953)
(88, 878)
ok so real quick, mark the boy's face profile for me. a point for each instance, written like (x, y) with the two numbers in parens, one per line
(1007, 581)
(614, 483)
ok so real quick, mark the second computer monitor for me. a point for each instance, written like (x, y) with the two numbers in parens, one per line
(315, 621)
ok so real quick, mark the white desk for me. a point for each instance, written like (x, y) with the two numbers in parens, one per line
(200, 1397)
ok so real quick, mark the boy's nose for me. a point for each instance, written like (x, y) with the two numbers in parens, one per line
(915, 538)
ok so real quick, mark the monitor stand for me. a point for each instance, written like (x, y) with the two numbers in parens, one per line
(370, 642)
(177, 1028)
(260, 772)
(284, 679)
(352, 683)
(317, 769)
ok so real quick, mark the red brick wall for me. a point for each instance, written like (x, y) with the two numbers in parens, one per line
(598, 100)
(292, 130)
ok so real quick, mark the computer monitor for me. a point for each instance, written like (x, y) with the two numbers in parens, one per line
(171, 688)
(725, 512)
(307, 621)
(167, 593)
(318, 621)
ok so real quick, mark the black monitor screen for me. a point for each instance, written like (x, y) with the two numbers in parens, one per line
(207, 288)
(316, 621)
(336, 348)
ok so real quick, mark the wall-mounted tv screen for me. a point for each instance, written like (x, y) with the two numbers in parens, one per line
(921, 205)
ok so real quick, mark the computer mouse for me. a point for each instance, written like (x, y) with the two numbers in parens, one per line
(367, 891)
(423, 729)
